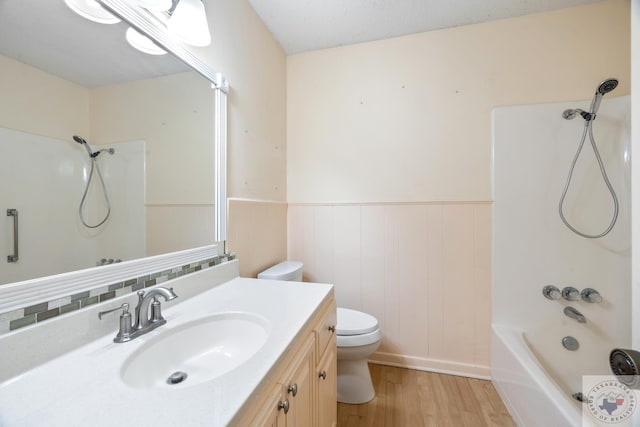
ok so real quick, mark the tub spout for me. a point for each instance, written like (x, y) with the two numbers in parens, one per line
(574, 314)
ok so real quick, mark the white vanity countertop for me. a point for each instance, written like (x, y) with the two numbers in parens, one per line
(84, 387)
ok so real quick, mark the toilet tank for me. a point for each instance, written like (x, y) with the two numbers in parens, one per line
(287, 270)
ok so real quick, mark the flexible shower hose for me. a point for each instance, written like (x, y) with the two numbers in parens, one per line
(588, 130)
(94, 167)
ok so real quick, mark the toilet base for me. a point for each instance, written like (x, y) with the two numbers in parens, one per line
(354, 382)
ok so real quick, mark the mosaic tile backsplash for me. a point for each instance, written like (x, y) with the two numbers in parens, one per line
(26, 316)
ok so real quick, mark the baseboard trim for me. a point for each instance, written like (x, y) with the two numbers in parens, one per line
(432, 365)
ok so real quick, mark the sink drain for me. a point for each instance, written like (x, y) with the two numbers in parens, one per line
(176, 378)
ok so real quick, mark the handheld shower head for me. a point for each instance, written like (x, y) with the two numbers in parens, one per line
(80, 140)
(603, 88)
(607, 86)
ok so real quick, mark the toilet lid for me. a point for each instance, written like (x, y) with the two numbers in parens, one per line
(352, 322)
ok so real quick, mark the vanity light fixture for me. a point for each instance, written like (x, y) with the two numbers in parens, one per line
(184, 19)
(92, 10)
(143, 43)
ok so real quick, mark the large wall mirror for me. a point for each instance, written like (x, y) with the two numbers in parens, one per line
(150, 117)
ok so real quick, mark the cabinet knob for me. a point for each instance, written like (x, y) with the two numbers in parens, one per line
(332, 328)
(323, 375)
(284, 406)
(293, 389)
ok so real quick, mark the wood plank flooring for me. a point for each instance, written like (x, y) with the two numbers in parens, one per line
(410, 398)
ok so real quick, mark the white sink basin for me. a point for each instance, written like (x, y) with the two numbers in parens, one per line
(203, 349)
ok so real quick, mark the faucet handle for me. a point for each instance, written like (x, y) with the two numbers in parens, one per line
(156, 313)
(570, 293)
(551, 292)
(124, 307)
(591, 295)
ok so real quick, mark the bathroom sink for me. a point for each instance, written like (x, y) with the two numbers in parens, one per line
(197, 351)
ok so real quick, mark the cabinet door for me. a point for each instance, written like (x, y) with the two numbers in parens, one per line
(327, 402)
(299, 387)
(271, 413)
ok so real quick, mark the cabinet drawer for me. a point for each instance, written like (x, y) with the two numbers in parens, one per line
(325, 329)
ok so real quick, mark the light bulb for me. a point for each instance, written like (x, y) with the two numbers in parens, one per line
(189, 23)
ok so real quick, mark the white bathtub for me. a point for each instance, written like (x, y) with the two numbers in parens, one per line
(531, 394)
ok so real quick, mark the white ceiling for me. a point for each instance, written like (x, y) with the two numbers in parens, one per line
(305, 25)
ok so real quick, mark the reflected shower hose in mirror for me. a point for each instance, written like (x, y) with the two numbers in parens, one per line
(93, 156)
(589, 116)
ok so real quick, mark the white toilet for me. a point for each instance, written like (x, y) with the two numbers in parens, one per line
(357, 336)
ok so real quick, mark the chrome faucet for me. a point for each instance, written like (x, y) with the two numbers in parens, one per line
(144, 321)
(574, 314)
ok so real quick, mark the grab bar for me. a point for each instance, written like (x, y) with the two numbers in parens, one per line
(14, 214)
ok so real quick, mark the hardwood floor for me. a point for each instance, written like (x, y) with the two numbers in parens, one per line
(409, 398)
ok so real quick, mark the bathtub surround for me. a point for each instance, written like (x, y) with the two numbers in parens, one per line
(532, 248)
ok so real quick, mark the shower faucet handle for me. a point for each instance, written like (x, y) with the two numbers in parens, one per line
(551, 292)
(570, 293)
(591, 295)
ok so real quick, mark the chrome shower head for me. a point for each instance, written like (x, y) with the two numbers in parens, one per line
(80, 140)
(607, 86)
(93, 154)
(603, 88)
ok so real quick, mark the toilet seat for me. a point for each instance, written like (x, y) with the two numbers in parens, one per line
(353, 322)
(358, 340)
(355, 328)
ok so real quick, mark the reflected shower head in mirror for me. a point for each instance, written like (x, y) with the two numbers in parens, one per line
(93, 154)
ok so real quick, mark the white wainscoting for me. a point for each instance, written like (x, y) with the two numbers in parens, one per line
(423, 269)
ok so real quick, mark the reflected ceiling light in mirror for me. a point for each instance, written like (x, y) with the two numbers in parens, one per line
(143, 43)
(189, 23)
(92, 10)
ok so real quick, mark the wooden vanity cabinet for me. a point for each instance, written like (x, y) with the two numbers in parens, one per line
(301, 390)
(326, 414)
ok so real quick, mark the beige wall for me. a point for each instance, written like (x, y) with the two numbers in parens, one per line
(389, 166)
(257, 231)
(245, 52)
(408, 119)
(37, 102)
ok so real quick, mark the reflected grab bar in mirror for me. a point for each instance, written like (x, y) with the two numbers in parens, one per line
(14, 214)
